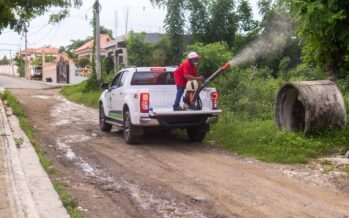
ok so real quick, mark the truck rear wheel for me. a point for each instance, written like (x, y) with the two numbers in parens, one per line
(105, 127)
(197, 134)
(131, 133)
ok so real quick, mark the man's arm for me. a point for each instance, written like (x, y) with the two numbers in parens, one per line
(190, 77)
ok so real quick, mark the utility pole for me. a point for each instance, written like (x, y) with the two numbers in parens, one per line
(25, 51)
(98, 42)
(126, 22)
(13, 71)
(116, 24)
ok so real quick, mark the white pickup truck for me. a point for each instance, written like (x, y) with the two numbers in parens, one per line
(143, 97)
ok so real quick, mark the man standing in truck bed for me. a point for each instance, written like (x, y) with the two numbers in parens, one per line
(186, 71)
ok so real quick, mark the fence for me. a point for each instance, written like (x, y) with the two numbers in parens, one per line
(77, 74)
(49, 72)
(7, 69)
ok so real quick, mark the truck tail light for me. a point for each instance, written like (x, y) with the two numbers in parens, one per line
(214, 97)
(144, 102)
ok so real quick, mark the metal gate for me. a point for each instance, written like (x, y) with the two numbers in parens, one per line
(62, 71)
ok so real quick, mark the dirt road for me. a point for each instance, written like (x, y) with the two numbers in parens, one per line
(166, 176)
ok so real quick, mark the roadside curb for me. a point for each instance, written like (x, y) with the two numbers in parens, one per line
(31, 188)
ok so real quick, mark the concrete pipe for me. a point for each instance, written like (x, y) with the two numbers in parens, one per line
(309, 106)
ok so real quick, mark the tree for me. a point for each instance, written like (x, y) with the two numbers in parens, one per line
(107, 65)
(84, 61)
(245, 17)
(265, 10)
(161, 52)
(139, 51)
(38, 60)
(76, 44)
(199, 18)
(174, 24)
(323, 28)
(21, 65)
(15, 13)
(62, 49)
(223, 22)
(4, 61)
(105, 30)
(248, 29)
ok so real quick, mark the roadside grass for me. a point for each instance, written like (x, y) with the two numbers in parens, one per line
(260, 139)
(68, 201)
(17, 109)
(81, 94)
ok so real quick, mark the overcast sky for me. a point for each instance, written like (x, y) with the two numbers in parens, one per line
(142, 17)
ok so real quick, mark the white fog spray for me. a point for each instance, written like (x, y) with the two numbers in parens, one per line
(273, 41)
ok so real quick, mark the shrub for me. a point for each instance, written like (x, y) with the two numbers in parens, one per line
(213, 56)
(84, 61)
(248, 93)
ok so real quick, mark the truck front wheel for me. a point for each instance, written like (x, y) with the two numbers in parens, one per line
(197, 134)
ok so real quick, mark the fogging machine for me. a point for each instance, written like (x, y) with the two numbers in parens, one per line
(193, 100)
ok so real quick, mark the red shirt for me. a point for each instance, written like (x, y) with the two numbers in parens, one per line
(185, 68)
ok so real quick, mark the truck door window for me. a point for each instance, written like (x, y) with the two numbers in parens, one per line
(115, 83)
(123, 79)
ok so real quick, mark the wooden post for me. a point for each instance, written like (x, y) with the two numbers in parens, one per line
(98, 43)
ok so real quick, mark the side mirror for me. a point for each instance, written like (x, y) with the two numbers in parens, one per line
(104, 86)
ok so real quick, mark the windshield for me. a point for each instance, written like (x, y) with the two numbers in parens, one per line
(153, 78)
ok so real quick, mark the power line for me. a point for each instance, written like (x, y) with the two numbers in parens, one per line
(1, 43)
(45, 36)
(33, 27)
(38, 30)
(2, 49)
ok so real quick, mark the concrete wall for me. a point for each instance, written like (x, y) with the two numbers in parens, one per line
(7, 69)
(49, 70)
(28, 72)
(75, 74)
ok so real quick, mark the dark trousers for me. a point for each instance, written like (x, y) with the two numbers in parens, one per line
(180, 91)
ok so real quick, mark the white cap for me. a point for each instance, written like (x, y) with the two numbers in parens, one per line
(193, 55)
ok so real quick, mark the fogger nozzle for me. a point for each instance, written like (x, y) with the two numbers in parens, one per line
(225, 66)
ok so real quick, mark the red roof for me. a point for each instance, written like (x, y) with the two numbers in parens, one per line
(88, 45)
(41, 50)
(63, 55)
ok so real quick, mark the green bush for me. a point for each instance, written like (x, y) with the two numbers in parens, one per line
(306, 72)
(84, 61)
(161, 52)
(248, 93)
(20, 63)
(213, 56)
